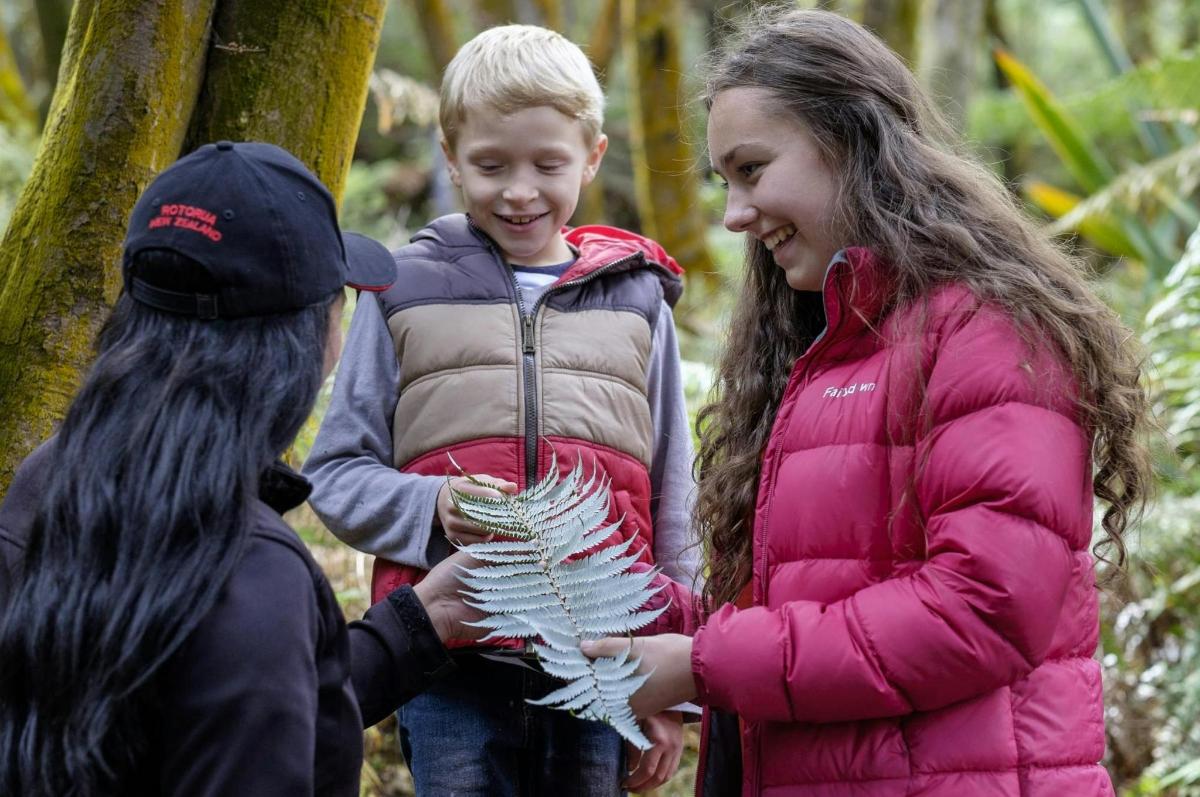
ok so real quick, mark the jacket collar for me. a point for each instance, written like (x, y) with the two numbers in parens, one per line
(855, 292)
(281, 488)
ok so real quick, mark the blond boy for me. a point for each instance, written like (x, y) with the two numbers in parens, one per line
(509, 336)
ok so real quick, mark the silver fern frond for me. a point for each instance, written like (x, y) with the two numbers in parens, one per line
(549, 580)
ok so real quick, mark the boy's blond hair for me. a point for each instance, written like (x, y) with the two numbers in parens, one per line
(512, 67)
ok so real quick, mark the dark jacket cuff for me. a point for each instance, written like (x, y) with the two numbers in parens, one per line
(429, 654)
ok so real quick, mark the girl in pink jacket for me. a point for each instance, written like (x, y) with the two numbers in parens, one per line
(917, 403)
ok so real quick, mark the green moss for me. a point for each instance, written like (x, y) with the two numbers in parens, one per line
(130, 79)
(129, 97)
(295, 76)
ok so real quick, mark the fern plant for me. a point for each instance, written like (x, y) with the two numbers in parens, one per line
(539, 582)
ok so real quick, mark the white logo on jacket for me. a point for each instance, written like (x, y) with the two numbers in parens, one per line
(848, 390)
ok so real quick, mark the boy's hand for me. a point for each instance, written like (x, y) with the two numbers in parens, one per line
(656, 766)
(458, 529)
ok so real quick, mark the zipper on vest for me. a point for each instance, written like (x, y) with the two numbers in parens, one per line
(528, 343)
(525, 327)
(528, 332)
(529, 349)
(529, 369)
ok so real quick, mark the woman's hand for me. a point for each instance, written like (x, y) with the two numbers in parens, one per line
(458, 529)
(654, 767)
(668, 659)
(439, 593)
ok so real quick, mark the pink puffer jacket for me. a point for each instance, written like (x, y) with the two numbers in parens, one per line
(925, 614)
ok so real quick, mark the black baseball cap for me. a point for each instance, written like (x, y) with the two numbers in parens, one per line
(261, 227)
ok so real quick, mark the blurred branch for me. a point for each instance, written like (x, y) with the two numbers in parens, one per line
(437, 27)
(896, 22)
(603, 44)
(551, 13)
(401, 99)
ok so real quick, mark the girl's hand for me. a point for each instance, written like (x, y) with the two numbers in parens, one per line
(458, 529)
(439, 594)
(655, 766)
(668, 659)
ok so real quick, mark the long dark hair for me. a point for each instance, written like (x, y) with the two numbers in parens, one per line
(143, 518)
(933, 217)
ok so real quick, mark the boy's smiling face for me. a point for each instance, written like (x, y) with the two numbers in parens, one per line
(521, 175)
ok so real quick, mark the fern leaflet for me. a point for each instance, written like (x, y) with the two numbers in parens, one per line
(540, 582)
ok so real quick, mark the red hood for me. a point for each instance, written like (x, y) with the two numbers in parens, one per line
(600, 245)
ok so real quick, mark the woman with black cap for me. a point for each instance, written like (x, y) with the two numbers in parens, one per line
(163, 630)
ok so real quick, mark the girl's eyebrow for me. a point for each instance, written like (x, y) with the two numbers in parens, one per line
(728, 156)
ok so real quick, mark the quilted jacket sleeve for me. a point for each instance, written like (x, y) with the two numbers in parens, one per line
(1004, 489)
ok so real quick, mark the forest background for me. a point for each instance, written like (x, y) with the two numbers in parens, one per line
(1089, 109)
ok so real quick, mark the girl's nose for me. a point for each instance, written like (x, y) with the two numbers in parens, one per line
(738, 215)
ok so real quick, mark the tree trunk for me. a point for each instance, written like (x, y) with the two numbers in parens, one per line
(949, 58)
(53, 17)
(437, 27)
(895, 21)
(665, 181)
(551, 14)
(602, 45)
(489, 13)
(293, 74)
(1189, 36)
(130, 71)
(601, 48)
(1137, 28)
(128, 99)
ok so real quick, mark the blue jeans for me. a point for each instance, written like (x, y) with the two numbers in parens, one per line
(474, 734)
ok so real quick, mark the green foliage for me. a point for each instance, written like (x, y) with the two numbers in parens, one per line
(1084, 161)
(538, 583)
(1171, 337)
(17, 147)
(1152, 654)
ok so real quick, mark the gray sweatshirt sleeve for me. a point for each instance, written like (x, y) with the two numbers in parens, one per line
(360, 497)
(671, 485)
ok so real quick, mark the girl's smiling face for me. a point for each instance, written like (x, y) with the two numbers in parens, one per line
(780, 190)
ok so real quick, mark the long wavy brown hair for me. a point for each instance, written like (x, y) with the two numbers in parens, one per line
(933, 216)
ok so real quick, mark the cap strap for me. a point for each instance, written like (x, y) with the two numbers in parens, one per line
(201, 305)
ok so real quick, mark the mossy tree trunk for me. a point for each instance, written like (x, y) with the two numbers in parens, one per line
(489, 13)
(550, 13)
(895, 21)
(128, 98)
(601, 48)
(293, 74)
(666, 184)
(1136, 18)
(438, 29)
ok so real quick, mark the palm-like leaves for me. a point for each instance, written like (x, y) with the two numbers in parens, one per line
(1171, 336)
(540, 582)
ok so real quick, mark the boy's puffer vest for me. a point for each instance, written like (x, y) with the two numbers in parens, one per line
(925, 610)
(497, 385)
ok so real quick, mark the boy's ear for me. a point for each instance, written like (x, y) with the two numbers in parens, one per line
(451, 164)
(594, 157)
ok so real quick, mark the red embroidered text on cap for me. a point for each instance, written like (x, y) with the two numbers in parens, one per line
(187, 217)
